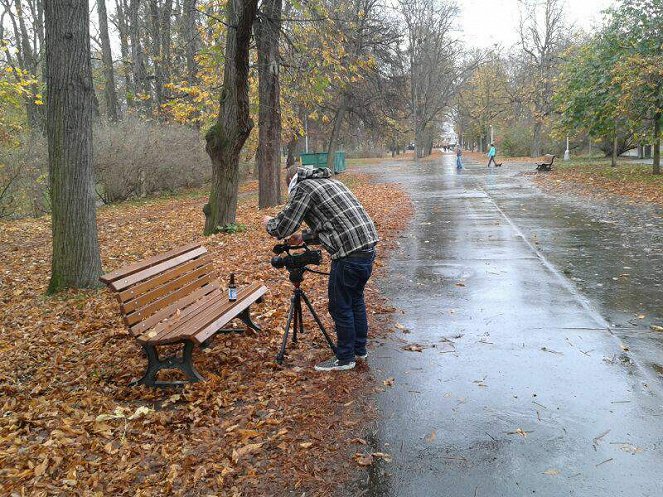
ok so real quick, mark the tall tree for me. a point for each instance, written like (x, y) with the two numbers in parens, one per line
(107, 58)
(435, 72)
(141, 83)
(191, 38)
(226, 138)
(268, 159)
(543, 36)
(76, 262)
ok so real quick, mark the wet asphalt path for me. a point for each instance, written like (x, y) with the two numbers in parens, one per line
(523, 385)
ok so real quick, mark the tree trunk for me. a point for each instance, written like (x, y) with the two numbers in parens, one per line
(336, 132)
(191, 38)
(292, 150)
(658, 116)
(615, 149)
(226, 138)
(107, 57)
(123, 30)
(166, 61)
(76, 262)
(536, 140)
(157, 58)
(137, 56)
(268, 158)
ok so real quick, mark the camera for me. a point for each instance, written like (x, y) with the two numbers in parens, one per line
(295, 261)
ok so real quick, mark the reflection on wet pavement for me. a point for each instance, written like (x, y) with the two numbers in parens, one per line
(516, 376)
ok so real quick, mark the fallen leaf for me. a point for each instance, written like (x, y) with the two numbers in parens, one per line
(363, 459)
(248, 449)
(413, 348)
(306, 445)
(551, 472)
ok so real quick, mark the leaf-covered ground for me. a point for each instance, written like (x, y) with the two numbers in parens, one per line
(70, 425)
(634, 182)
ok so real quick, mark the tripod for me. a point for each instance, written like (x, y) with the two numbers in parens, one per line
(295, 314)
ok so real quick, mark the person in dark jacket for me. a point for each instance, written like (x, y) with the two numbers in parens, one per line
(346, 231)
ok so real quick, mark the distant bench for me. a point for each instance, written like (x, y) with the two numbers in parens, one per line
(547, 164)
(175, 298)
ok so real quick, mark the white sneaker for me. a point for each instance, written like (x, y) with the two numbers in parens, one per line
(334, 364)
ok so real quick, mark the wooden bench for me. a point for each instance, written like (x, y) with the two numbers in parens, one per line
(175, 298)
(547, 164)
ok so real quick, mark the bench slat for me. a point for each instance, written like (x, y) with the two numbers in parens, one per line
(210, 314)
(202, 335)
(145, 263)
(144, 287)
(161, 291)
(146, 311)
(166, 312)
(174, 321)
(156, 269)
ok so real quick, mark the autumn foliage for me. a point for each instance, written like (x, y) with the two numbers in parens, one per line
(70, 425)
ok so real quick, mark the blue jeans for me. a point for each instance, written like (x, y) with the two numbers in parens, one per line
(347, 280)
(459, 162)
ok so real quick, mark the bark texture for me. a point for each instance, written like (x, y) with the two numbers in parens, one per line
(268, 159)
(191, 38)
(657, 141)
(226, 138)
(76, 262)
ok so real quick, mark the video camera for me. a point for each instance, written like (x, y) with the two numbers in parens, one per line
(295, 261)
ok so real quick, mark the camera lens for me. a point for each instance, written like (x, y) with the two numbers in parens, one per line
(278, 262)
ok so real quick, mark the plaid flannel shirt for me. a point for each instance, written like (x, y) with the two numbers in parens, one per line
(330, 210)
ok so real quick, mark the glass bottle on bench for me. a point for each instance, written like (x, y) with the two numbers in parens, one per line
(232, 289)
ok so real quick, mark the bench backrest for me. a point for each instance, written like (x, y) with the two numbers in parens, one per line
(155, 288)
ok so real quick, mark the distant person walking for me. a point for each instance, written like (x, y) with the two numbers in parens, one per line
(459, 160)
(491, 156)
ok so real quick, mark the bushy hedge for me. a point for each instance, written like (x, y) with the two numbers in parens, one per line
(132, 158)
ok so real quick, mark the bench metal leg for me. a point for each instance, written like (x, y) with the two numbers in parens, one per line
(245, 317)
(156, 364)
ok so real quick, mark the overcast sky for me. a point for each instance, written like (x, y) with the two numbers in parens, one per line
(486, 22)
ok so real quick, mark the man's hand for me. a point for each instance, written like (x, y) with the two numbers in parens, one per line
(295, 239)
(265, 220)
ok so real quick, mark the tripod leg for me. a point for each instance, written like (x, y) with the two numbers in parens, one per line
(296, 316)
(281, 354)
(320, 325)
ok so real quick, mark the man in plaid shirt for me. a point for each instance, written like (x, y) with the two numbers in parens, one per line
(346, 231)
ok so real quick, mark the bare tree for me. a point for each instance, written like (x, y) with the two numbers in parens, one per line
(76, 262)
(543, 36)
(226, 138)
(435, 65)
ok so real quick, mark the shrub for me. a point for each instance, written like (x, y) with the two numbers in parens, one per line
(137, 158)
(24, 177)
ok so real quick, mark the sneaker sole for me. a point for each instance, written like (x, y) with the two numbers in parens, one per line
(336, 368)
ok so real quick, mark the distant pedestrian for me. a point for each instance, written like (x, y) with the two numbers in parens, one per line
(459, 155)
(491, 156)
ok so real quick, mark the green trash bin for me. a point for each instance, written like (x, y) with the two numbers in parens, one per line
(314, 159)
(319, 159)
(339, 162)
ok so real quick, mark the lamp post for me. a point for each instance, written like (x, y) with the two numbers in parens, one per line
(567, 154)
(306, 132)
